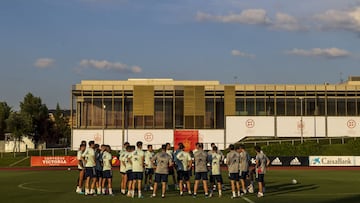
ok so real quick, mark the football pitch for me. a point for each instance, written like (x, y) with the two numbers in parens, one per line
(316, 186)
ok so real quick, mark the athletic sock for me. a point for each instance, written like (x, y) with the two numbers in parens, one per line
(220, 193)
(103, 191)
(92, 191)
(234, 194)
(87, 191)
(139, 193)
(110, 191)
(98, 190)
(122, 191)
(239, 193)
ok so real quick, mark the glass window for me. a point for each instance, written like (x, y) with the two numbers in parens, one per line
(219, 113)
(189, 122)
(341, 107)
(331, 107)
(351, 107)
(159, 113)
(179, 112)
(139, 122)
(209, 113)
(169, 113)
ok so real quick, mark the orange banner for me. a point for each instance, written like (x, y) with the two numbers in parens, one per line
(188, 137)
(54, 161)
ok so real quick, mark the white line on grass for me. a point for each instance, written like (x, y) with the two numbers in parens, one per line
(247, 200)
(13, 164)
(22, 186)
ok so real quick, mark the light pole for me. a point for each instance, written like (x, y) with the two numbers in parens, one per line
(103, 129)
(301, 119)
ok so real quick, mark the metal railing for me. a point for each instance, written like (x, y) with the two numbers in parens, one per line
(323, 140)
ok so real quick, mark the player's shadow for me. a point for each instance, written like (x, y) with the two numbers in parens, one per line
(277, 189)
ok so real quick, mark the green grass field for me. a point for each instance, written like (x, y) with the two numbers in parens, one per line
(316, 186)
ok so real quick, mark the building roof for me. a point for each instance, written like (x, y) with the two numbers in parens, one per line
(169, 84)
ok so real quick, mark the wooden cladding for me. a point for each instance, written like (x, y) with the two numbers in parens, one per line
(229, 100)
(143, 100)
(194, 101)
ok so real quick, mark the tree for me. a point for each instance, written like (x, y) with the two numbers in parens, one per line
(60, 128)
(18, 125)
(4, 114)
(32, 107)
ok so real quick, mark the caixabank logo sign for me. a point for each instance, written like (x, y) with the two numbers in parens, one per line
(331, 161)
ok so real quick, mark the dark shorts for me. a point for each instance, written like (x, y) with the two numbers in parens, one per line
(216, 178)
(234, 176)
(260, 178)
(201, 175)
(243, 175)
(138, 175)
(149, 171)
(107, 174)
(129, 175)
(171, 171)
(161, 178)
(90, 172)
(183, 175)
(99, 174)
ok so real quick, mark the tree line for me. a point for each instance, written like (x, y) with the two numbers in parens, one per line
(33, 120)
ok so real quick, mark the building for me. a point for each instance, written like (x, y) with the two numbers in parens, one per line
(151, 104)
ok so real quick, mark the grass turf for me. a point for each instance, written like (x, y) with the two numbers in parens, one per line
(317, 186)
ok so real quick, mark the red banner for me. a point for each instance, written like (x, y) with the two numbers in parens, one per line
(62, 161)
(188, 137)
(53, 161)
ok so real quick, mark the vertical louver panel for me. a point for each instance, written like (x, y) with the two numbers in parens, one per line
(143, 100)
(229, 100)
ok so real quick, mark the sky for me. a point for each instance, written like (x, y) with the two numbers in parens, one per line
(47, 46)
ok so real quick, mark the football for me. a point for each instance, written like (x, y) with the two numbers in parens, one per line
(294, 181)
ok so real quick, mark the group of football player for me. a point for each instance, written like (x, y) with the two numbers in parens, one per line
(95, 169)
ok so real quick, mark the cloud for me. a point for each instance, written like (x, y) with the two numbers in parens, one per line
(318, 52)
(287, 22)
(281, 21)
(44, 63)
(249, 16)
(235, 52)
(107, 65)
(340, 20)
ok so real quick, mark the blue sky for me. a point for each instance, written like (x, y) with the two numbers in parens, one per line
(47, 46)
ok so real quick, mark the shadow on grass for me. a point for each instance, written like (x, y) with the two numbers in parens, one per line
(352, 199)
(288, 188)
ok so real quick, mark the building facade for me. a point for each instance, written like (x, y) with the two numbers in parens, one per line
(157, 111)
(170, 104)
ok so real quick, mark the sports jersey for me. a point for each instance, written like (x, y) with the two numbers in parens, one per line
(171, 153)
(148, 156)
(215, 159)
(128, 164)
(200, 158)
(89, 156)
(233, 160)
(244, 161)
(78, 157)
(122, 161)
(182, 159)
(262, 160)
(106, 158)
(98, 160)
(163, 160)
(137, 159)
